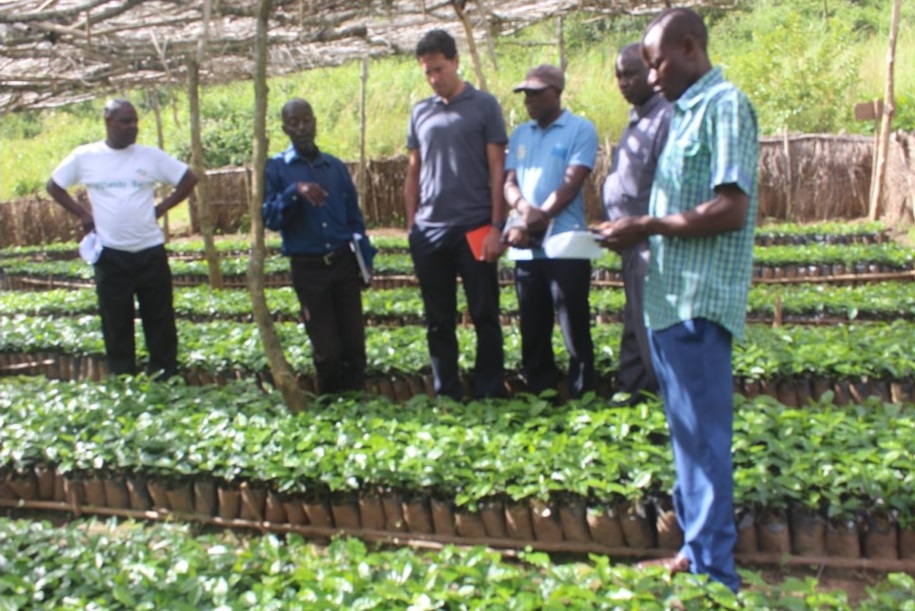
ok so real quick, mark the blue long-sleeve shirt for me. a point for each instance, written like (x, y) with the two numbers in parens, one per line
(308, 229)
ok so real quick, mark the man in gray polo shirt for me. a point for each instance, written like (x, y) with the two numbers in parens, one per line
(456, 146)
(626, 193)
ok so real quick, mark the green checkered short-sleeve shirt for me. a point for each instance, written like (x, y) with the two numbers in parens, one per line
(713, 141)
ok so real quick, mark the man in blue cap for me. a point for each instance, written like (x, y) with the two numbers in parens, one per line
(549, 158)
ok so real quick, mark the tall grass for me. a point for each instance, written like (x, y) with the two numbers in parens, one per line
(807, 85)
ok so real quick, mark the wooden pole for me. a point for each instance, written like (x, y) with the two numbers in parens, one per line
(198, 163)
(561, 42)
(153, 99)
(283, 376)
(889, 109)
(471, 43)
(363, 161)
(877, 112)
(789, 178)
(490, 45)
(198, 157)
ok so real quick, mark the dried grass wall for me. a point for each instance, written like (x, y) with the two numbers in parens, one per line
(899, 205)
(802, 178)
(814, 177)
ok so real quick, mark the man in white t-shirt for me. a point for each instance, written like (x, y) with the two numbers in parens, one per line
(121, 177)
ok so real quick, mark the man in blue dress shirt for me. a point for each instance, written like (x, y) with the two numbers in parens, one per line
(310, 199)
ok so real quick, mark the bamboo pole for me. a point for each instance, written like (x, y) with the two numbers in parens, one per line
(889, 109)
(283, 376)
(471, 43)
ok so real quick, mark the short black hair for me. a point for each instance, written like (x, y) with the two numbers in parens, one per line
(633, 48)
(437, 41)
(678, 22)
(292, 103)
(115, 104)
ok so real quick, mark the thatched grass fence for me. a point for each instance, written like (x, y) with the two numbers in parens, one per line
(802, 178)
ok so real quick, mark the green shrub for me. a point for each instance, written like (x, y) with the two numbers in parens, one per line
(797, 75)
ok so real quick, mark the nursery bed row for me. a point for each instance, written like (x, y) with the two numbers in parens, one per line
(628, 529)
(238, 245)
(797, 391)
(791, 275)
(815, 304)
(123, 565)
(875, 351)
(794, 263)
(576, 473)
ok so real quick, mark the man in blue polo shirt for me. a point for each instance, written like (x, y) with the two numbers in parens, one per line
(549, 158)
(456, 154)
(310, 199)
(700, 227)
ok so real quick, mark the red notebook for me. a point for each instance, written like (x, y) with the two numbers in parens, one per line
(475, 240)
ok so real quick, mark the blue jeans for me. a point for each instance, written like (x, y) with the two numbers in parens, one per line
(692, 361)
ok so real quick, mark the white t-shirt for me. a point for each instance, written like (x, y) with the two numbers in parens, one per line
(121, 185)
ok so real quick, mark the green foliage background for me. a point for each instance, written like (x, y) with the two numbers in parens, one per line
(804, 65)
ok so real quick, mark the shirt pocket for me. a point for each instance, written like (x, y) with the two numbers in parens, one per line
(559, 159)
(559, 150)
(691, 169)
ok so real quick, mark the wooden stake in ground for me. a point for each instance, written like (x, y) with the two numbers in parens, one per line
(283, 376)
(889, 109)
(198, 163)
(153, 98)
(363, 162)
(198, 158)
(490, 45)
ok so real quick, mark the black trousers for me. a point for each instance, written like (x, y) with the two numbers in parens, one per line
(635, 373)
(438, 263)
(330, 294)
(560, 285)
(121, 276)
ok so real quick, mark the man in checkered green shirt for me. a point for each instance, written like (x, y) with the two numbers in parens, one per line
(700, 228)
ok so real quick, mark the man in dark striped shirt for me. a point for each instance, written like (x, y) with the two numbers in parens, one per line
(626, 192)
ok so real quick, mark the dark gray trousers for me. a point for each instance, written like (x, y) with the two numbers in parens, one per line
(635, 373)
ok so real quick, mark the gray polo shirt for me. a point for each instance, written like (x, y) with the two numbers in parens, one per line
(627, 188)
(454, 174)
